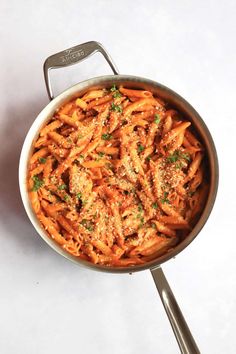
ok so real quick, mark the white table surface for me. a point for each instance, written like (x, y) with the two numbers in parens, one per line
(49, 305)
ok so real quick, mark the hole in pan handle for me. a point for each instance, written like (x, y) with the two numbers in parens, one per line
(180, 328)
(72, 56)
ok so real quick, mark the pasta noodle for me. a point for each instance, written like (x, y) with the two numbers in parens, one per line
(117, 177)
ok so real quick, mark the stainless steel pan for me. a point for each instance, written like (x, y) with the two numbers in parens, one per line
(72, 56)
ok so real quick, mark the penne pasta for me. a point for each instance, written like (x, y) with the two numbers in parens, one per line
(139, 104)
(38, 155)
(50, 127)
(91, 95)
(117, 179)
(81, 103)
(135, 93)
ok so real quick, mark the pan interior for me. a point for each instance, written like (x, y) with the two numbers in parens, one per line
(167, 95)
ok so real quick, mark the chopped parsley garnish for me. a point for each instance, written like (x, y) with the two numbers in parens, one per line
(113, 88)
(42, 160)
(106, 136)
(66, 197)
(148, 158)
(101, 154)
(177, 155)
(155, 205)
(140, 148)
(140, 214)
(157, 118)
(62, 186)
(81, 156)
(79, 195)
(116, 107)
(117, 94)
(38, 183)
(185, 156)
(178, 165)
(172, 158)
(87, 225)
(165, 199)
(140, 207)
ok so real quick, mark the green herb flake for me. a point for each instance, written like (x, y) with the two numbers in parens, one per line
(42, 160)
(140, 207)
(178, 165)
(106, 136)
(140, 148)
(155, 205)
(165, 199)
(117, 94)
(38, 183)
(178, 155)
(148, 158)
(79, 195)
(62, 186)
(66, 197)
(113, 88)
(157, 118)
(101, 154)
(116, 108)
(86, 224)
(185, 156)
(172, 158)
(81, 156)
(142, 221)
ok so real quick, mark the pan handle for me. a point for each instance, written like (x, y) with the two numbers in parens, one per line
(180, 328)
(72, 56)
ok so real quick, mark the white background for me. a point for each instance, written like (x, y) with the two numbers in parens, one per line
(49, 305)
